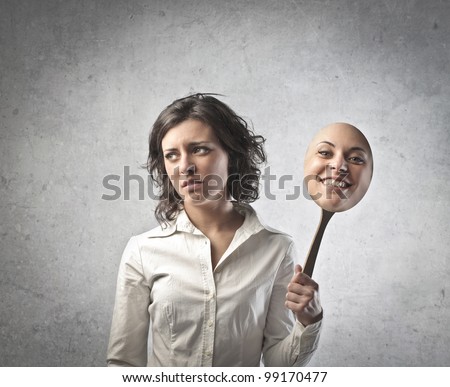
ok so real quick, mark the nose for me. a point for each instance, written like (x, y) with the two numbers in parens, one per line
(340, 163)
(186, 166)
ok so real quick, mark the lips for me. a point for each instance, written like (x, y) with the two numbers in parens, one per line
(190, 183)
(335, 182)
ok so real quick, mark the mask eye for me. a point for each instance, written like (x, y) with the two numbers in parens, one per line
(324, 153)
(356, 160)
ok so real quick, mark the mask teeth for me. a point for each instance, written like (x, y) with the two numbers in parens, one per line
(340, 184)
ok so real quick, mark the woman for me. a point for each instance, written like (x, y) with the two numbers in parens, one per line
(216, 286)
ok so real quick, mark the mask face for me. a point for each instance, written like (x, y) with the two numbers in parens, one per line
(338, 167)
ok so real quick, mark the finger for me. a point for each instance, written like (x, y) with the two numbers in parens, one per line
(297, 270)
(297, 292)
(295, 298)
(295, 306)
(306, 280)
(294, 287)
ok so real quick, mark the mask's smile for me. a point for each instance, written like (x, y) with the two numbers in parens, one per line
(335, 182)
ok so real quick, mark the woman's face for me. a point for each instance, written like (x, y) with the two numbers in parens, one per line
(338, 167)
(195, 161)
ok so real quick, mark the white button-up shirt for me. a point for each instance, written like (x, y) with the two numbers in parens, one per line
(232, 315)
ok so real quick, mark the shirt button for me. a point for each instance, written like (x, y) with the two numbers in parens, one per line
(208, 353)
(210, 323)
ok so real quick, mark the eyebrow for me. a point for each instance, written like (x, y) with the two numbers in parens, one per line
(354, 148)
(327, 142)
(191, 144)
(358, 148)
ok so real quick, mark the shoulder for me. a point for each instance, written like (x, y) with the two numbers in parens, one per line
(257, 221)
(158, 231)
(280, 234)
(269, 234)
(153, 234)
(274, 238)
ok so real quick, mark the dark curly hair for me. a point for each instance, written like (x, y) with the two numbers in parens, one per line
(244, 148)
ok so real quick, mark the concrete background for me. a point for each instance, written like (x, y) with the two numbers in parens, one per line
(83, 81)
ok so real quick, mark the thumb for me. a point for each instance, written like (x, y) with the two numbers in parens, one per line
(297, 270)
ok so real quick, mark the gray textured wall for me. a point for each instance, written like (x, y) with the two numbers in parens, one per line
(82, 82)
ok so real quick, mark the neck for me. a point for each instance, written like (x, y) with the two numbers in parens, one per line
(213, 217)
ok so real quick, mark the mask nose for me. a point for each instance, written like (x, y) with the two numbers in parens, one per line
(340, 164)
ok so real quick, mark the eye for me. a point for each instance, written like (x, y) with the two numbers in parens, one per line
(324, 153)
(356, 160)
(170, 156)
(200, 150)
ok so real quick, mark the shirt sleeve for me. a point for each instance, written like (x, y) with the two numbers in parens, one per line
(287, 343)
(130, 322)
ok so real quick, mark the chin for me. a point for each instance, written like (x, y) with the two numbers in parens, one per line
(331, 205)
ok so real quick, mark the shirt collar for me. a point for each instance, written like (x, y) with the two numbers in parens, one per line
(252, 224)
